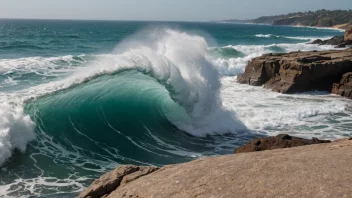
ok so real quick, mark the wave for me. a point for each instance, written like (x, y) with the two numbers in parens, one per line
(226, 52)
(180, 70)
(176, 85)
(266, 35)
(236, 65)
(300, 38)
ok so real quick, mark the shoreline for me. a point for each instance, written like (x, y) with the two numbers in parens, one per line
(335, 27)
(272, 173)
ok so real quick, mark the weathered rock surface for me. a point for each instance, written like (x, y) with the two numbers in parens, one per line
(348, 36)
(298, 71)
(114, 179)
(344, 87)
(279, 141)
(319, 170)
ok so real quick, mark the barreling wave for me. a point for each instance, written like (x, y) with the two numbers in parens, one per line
(180, 70)
(158, 84)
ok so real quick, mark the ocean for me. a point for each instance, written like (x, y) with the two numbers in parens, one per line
(79, 98)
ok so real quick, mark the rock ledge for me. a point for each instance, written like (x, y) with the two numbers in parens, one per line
(298, 71)
(319, 170)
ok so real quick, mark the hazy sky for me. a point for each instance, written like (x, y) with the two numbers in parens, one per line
(179, 10)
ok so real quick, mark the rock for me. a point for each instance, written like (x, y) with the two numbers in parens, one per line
(344, 88)
(114, 179)
(318, 41)
(319, 170)
(298, 71)
(336, 40)
(280, 141)
(342, 45)
(348, 36)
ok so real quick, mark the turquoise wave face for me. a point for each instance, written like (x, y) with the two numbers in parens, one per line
(113, 112)
(227, 52)
(90, 128)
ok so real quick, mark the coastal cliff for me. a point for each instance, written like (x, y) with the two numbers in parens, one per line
(321, 18)
(319, 170)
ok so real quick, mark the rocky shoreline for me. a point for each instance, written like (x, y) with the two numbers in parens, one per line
(297, 72)
(313, 168)
(317, 170)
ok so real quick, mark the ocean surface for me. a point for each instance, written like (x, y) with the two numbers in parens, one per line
(78, 98)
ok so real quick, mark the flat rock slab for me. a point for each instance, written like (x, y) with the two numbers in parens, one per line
(298, 71)
(319, 170)
(277, 142)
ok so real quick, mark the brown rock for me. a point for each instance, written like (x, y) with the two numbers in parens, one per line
(112, 180)
(348, 35)
(298, 71)
(280, 141)
(344, 88)
(336, 40)
(314, 171)
(317, 41)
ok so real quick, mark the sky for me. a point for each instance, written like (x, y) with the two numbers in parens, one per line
(160, 10)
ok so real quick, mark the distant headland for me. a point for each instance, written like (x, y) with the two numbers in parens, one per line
(340, 19)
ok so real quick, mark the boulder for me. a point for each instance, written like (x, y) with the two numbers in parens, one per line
(298, 71)
(342, 45)
(336, 40)
(279, 141)
(348, 35)
(319, 170)
(114, 179)
(318, 41)
(344, 87)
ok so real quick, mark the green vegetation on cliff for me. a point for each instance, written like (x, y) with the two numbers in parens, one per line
(320, 18)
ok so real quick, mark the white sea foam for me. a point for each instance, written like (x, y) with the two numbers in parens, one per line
(16, 130)
(234, 66)
(265, 35)
(306, 115)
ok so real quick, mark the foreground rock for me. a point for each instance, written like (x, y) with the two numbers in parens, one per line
(280, 141)
(298, 71)
(320, 170)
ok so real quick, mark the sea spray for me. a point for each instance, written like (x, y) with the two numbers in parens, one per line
(16, 130)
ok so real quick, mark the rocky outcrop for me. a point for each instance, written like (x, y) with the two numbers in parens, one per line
(318, 41)
(348, 36)
(298, 71)
(114, 179)
(336, 40)
(344, 87)
(276, 142)
(320, 170)
(339, 41)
